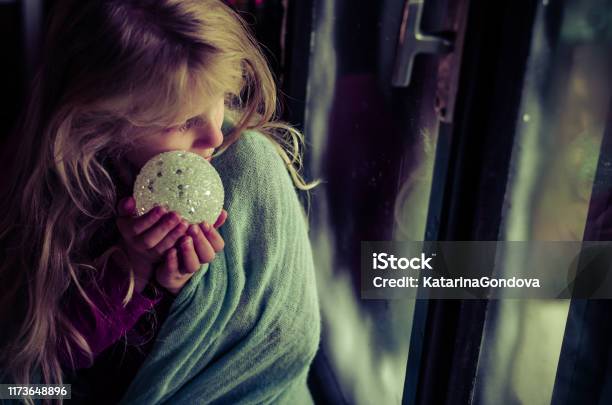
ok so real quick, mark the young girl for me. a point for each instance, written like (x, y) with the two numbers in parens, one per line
(223, 312)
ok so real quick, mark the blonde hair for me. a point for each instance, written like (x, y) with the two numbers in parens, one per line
(113, 71)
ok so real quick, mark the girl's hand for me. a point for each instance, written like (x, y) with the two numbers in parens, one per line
(199, 246)
(148, 237)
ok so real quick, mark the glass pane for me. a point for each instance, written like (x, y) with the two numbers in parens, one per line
(374, 147)
(563, 115)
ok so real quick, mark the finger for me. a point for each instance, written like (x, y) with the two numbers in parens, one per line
(189, 258)
(145, 222)
(157, 232)
(203, 248)
(170, 239)
(221, 220)
(166, 272)
(172, 261)
(169, 275)
(131, 227)
(213, 236)
(126, 207)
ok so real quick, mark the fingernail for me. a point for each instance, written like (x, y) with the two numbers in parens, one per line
(193, 229)
(186, 241)
(206, 226)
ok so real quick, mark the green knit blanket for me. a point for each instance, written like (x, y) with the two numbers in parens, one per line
(246, 327)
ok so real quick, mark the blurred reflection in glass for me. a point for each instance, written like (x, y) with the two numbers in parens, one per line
(563, 117)
(374, 147)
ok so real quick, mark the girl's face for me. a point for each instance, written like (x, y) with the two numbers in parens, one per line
(200, 134)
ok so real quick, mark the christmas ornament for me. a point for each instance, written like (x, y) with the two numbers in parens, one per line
(183, 182)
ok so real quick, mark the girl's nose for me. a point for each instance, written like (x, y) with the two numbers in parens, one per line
(207, 136)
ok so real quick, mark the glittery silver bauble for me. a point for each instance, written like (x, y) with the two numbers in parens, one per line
(183, 182)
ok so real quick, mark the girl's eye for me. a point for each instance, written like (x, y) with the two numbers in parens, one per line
(189, 124)
(185, 126)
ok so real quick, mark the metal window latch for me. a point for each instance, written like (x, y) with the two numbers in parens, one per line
(413, 42)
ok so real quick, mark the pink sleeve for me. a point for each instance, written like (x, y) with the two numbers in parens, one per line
(105, 325)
